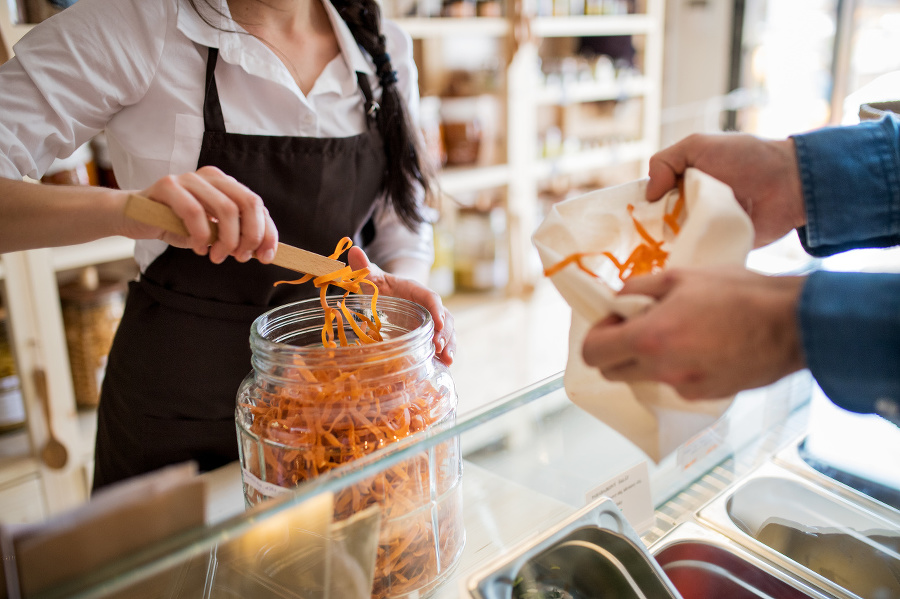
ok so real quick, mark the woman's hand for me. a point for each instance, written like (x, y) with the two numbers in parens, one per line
(713, 332)
(762, 173)
(397, 286)
(245, 228)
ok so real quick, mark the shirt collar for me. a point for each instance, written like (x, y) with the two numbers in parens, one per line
(236, 47)
(350, 50)
(199, 31)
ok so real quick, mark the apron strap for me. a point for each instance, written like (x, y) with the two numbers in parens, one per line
(371, 105)
(212, 109)
(368, 231)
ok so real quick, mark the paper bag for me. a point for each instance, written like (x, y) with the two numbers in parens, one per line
(714, 230)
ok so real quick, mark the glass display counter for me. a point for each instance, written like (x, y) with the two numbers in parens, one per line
(528, 462)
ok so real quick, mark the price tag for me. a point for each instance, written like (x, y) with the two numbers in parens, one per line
(702, 445)
(630, 490)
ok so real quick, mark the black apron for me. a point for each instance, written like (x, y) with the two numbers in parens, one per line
(182, 347)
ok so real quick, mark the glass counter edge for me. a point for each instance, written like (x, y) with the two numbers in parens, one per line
(180, 548)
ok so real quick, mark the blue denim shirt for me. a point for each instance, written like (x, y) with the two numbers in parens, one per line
(850, 322)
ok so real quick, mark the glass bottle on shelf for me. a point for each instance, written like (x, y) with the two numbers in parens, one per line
(12, 407)
(458, 8)
(480, 258)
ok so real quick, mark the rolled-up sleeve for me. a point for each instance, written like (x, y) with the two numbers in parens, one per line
(851, 186)
(70, 75)
(850, 321)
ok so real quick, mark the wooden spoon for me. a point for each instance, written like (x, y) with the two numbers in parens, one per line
(54, 453)
(159, 215)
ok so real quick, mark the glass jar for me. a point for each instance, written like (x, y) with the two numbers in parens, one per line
(307, 409)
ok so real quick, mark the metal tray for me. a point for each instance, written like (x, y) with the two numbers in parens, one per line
(702, 563)
(591, 554)
(851, 485)
(835, 544)
(853, 455)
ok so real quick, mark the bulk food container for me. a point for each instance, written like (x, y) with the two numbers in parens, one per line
(702, 564)
(838, 545)
(91, 308)
(307, 409)
(852, 455)
(592, 554)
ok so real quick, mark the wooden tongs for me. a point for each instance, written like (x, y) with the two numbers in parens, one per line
(159, 215)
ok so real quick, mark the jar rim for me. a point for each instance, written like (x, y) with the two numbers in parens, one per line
(311, 308)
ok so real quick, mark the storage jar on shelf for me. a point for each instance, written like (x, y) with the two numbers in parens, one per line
(461, 130)
(77, 169)
(91, 310)
(307, 409)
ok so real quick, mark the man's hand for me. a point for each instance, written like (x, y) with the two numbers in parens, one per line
(762, 173)
(713, 332)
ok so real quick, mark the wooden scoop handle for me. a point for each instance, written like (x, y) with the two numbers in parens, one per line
(159, 215)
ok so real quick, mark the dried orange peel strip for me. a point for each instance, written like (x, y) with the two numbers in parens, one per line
(646, 258)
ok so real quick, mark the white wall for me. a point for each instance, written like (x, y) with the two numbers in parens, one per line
(695, 71)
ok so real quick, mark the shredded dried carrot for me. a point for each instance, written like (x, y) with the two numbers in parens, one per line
(350, 281)
(646, 258)
(671, 218)
(330, 414)
(576, 258)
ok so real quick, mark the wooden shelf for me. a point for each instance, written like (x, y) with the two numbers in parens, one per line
(590, 91)
(436, 27)
(604, 156)
(109, 249)
(16, 458)
(464, 180)
(593, 25)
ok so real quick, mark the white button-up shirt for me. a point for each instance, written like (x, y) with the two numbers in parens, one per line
(136, 69)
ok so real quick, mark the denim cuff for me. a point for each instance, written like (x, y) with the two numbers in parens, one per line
(850, 331)
(851, 186)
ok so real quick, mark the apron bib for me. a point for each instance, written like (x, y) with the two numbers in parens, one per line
(182, 346)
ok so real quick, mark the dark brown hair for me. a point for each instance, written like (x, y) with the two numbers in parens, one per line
(405, 172)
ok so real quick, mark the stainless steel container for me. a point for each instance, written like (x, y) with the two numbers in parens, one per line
(591, 554)
(702, 564)
(839, 546)
(852, 455)
(852, 485)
